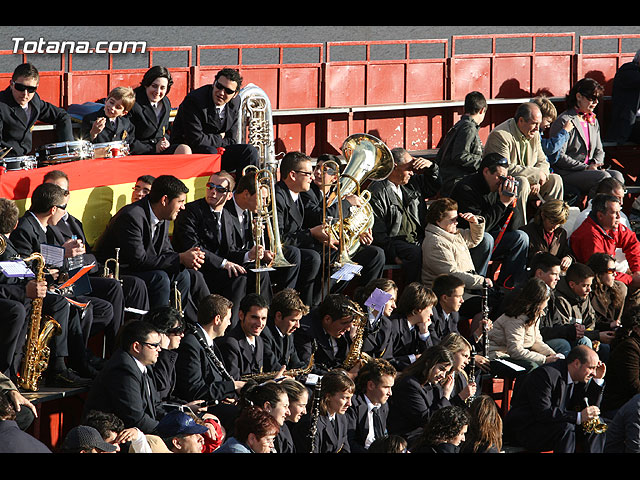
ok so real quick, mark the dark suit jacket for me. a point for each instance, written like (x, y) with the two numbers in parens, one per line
(15, 131)
(411, 406)
(327, 440)
(197, 377)
(119, 389)
(64, 230)
(280, 348)
(12, 288)
(131, 230)
(291, 219)
(28, 235)
(625, 101)
(311, 331)
(196, 226)
(121, 129)
(238, 356)
(406, 342)
(198, 124)
(358, 417)
(149, 128)
(539, 400)
(283, 442)
(440, 325)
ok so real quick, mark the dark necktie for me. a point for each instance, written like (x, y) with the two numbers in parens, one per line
(217, 216)
(156, 235)
(378, 429)
(147, 392)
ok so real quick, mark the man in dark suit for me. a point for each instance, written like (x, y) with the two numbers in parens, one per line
(127, 291)
(242, 347)
(213, 223)
(140, 230)
(200, 371)
(300, 241)
(399, 208)
(207, 119)
(21, 107)
(371, 257)
(47, 208)
(369, 408)
(125, 386)
(625, 102)
(327, 327)
(285, 313)
(551, 402)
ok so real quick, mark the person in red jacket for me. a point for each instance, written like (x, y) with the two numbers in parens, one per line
(602, 231)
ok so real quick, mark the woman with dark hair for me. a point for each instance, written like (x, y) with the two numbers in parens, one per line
(623, 366)
(255, 432)
(546, 232)
(273, 398)
(151, 112)
(580, 161)
(485, 427)
(444, 432)
(608, 295)
(515, 335)
(331, 426)
(445, 248)
(420, 390)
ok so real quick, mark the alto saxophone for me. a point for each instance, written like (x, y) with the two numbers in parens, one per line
(294, 372)
(37, 352)
(356, 354)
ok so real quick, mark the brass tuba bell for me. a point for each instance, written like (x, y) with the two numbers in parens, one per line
(368, 158)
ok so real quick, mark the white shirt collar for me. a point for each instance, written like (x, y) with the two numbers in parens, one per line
(207, 338)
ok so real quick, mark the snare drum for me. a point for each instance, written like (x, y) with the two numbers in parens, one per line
(19, 163)
(54, 153)
(110, 149)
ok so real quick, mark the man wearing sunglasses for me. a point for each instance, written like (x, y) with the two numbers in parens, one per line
(207, 119)
(21, 107)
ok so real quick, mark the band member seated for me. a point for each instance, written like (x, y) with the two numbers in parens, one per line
(110, 123)
(142, 187)
(150, 114)
(207, 119)
(220, 225)
(301, 242)
(242, 347)
(200, 371)
(369, 256)
(285, 313)
(21, 107)
(126, 291)
(140, 230)
(328, 327)
(16, 297)
(48, 206)
(369, 408)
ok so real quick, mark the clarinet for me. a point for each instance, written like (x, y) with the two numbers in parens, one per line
(485, 317)
(216, 361)
(313, 427)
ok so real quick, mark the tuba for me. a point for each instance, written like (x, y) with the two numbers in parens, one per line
(255, 124)
(368, 158)
(36, 358)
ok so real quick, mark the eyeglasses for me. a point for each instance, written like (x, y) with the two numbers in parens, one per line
(611, 270)
(217, 188)
(152, 345)
(227, 90)
(301, 172)
(22, 87)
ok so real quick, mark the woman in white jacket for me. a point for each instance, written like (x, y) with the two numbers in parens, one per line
(445, 248)
(515, 335)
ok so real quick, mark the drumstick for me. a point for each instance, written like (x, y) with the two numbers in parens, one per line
(5, 152)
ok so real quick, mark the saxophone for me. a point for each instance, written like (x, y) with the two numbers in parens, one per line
(294, 372)
(356, 354)
(37, 352)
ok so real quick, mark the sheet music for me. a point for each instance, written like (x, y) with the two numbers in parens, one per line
(513, 366)
(347, 272)
(16, 269)
(53, 255)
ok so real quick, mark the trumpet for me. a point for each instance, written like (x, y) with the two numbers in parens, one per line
(176, 298)
(595, 425)
(116, 266)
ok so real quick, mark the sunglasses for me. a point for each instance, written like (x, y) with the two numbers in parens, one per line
(63, 207)
(155, 346)
(217, 188)
(21, 87)
(228, 91)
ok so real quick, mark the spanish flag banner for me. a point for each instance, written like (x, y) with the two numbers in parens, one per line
(100, 187)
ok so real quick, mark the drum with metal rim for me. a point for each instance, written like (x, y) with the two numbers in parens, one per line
(26, 162)
(115, 149)
(62, 152)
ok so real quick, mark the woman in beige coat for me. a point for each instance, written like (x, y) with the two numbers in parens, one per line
(445, 248)
(515, 335)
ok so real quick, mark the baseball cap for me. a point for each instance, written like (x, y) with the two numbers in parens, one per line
(177, 423)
